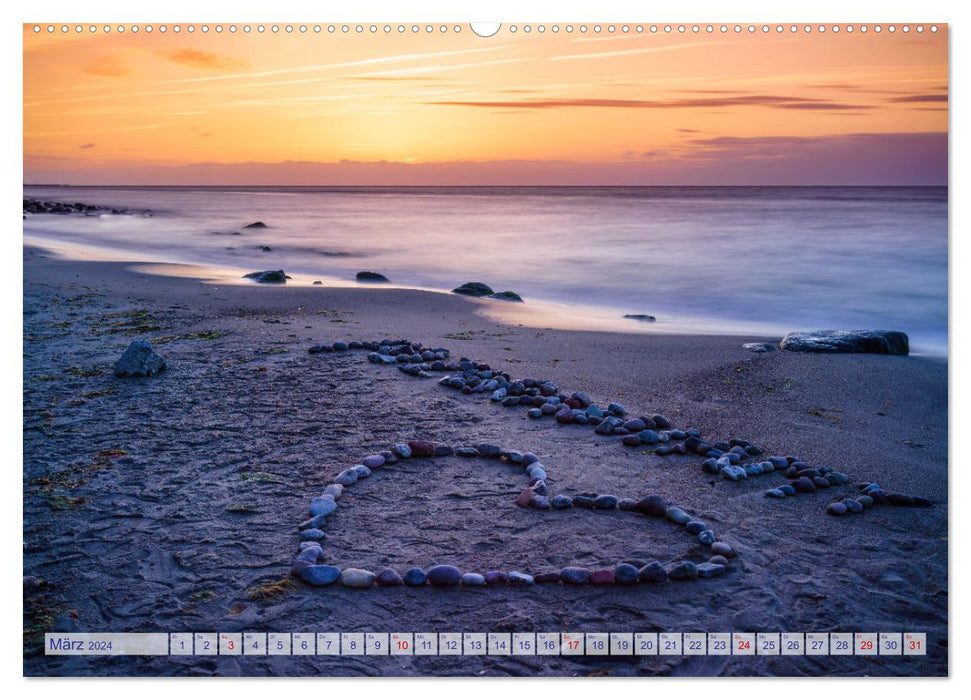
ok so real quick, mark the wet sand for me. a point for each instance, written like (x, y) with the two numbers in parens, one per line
(170, 503)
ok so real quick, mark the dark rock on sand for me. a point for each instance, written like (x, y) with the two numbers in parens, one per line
(625, 574)
(547, 577)
(474, 289)
(421, 448)
(685, 571)
(653, 506)
(371, 277)
(710, 570)
(320, 574)
(496, 578)
(640, 317)
(506, 296)
(268, 277)
(575, 576)
(836, 509)
(444, 575)
(653, 573)
(804, 485)
(880, 342)
(560, 502)
(602, 577)
(139, 360)
(415, 577)
(388, 577)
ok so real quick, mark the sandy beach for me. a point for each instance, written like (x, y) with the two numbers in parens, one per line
(170, 503)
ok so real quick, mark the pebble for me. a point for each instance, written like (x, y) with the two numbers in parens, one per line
(373, 461)
(649, 437)
(402, 450)
(321, 506)
(517, 578)
(583, 501)
(631, 440)
(653, 506)
(836, 509)
(528, 459)
(388, 577)
(361, 471)
(560, 502)
(320, 575)
(685, 571)
(335, 490)
(677, 516)
(537, 473)
(788, 489)
(625, 574)
(575, 576)
(444, 575)
(471, 579)
(357, 578)
(661, 422)
(540, 502)
(312, 534)
(525, 497)
(635, 425)
(718, 559)
(706, 537)
(775, 493)
(865, 501)
(653, 572)
(605, 502)
(804, 485)
(695, 527)
(547, 577)
(709, 570)
(853, 506)
(564, 415)
(535, 413)
(496, 578)
(627, 504)
(346, 478)
(602, 577)
(415, 577)
(722, 548)
(616, 408)
(421, 448)
(821, 482)
(466, 452)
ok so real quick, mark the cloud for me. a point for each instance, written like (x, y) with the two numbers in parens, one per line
(689, 131)
(195, 58)
(85, 146)
(771, 101)
(107, 67)
(919, 98)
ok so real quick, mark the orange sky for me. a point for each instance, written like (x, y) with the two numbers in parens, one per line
(152, 108)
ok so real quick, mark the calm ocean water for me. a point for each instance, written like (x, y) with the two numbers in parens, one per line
(709, 259)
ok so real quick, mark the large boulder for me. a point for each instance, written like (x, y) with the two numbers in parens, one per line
(506, 296)
(875, 342)
(269, 277)
(139, 360)
(256, 224)
(474, 289)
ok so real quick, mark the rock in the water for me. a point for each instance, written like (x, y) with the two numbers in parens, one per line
(474, 289)
(320, 574)
(444, 575)
(256, 224)
(139, 360)
(388, 577)
(880, 342)
(640, 317)
(653, 573)
(759, 347)
(415, 577)
(685, 571)
(370, 277)
(506, 296)
(268, 277)
(357, 578)
(625, 574)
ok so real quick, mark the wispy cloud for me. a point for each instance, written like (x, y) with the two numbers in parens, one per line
(623, 52)
(918, 98)
(771, 101)
(195, 58)
(85, 146)
(107, 67)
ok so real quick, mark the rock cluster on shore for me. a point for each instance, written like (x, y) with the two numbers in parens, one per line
(36, 206)
(875, 342)
(268, 277)
(480, 289)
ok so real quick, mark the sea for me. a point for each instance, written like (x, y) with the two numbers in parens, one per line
(759, 261)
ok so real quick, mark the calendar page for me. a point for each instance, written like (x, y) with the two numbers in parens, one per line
(438, 348)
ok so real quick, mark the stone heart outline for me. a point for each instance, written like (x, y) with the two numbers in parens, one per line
(308, 568)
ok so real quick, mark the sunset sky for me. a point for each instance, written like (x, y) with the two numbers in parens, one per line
(329, 109)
